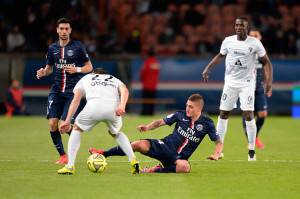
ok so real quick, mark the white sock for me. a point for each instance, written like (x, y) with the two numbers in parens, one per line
(125, 145)
(222, 128)
(73, 147)
(251, 132)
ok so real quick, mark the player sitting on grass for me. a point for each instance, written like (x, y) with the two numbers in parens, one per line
(173, 151)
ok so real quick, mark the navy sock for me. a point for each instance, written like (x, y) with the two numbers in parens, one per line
(115, 151)
(56, 138)
(169, 169)
(259, 123)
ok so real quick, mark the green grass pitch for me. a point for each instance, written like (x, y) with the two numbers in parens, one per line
(27, 168)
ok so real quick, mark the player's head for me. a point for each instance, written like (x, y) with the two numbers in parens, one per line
(256, 34)
(99, 71)
(194, 105)
(241, 26)
(64, 28)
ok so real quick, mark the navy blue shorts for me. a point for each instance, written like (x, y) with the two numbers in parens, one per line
(58, 106)
(162, 152)
(260, 102)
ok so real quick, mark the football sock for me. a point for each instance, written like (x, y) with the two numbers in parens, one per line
(115, 151)
(251, 132)
(124, 143)
(169, 169)
(73, 147)
(222, 128)
(259, 123)
(56, 138)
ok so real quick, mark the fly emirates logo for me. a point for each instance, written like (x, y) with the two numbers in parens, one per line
(62, 63)
(189, 134)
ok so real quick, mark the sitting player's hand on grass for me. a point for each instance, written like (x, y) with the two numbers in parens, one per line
(64, 127)
(142, 128)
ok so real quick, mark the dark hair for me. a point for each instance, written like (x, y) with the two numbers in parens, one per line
(196, 98)
(99, 71)
(63, 20)
(242, 18)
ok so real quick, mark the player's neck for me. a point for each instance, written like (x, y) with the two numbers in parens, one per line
(196, 117)
(241, 37)
(64, 42)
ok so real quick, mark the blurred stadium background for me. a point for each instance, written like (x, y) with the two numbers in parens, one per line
(117, 33)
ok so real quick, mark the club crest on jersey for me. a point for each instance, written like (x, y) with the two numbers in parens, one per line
(199, 127)
(250, 49)
(70, 53)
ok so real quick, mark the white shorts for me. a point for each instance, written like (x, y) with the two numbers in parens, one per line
(95, 112)
(231, 94)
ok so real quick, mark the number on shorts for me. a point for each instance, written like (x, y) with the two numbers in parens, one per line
(224, 96)
(50, 103)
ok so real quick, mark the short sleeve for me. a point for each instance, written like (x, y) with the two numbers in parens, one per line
(211, 131)
(79, 85)
(260, 49)
(224, 49)
(171, 119)
(83, 54)
(49, 57)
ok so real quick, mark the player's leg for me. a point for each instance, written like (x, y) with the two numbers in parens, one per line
(227, 103)
(247, 106)
(261, 108)
(123, 141)
(54, 112)
(182, 166)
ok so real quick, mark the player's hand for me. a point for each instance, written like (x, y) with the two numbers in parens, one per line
(40, 73)
(142, 128)
(120, 111)
(70, 69)
(268, 90)
(205, 75)
(64, 127)
(213, 157)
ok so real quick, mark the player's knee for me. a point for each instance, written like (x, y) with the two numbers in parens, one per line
(248, 115)
(224, 114)
(183, 166)
(140, 146)
(53, 123)
(262, 114)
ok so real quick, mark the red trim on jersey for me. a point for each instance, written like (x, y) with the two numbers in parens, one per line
(186, 141)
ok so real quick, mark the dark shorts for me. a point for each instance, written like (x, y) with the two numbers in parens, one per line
(260, 102)
(162, 152)
(58, 106)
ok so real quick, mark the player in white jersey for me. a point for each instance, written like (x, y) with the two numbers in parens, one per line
(106, 101)
(240, 51)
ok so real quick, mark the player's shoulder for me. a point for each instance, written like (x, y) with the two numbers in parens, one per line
(251, 39)
(230, 38)
(206, 118)
(77, 43)
(54, 45)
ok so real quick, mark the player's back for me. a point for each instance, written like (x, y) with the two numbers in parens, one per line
(100, 86)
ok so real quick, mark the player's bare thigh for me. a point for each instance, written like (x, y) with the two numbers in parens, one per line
(182, 166)
(142, 146)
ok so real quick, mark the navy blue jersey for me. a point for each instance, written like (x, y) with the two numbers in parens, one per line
(73, 54)
(186, 135)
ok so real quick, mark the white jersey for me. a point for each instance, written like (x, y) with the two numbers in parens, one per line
(100, 87)
(241, 57)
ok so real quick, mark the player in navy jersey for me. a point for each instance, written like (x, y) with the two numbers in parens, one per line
(173, 151)
(260, 100)
(68, 60)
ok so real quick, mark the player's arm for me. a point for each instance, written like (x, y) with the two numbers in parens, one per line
(65, 126)
(153, 125)
(268, 74)
(86, 68)
(42, 72)
(124, 93)
(216, 60)
(218, 150)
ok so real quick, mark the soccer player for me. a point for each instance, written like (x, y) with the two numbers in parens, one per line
(241, 52)
(260, 100)
(173, 151)
(68, 60)
(106, 100)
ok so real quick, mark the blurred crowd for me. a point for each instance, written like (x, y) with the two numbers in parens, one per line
(170, 27)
